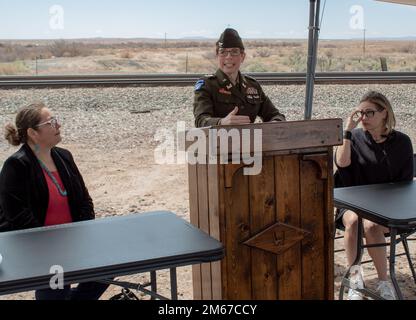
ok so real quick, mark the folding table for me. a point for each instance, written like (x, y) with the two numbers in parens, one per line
(392, 205)
(102, 249)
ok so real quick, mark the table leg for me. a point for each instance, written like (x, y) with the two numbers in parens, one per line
(409, 260)
(153, 284)
(173, 284)
(393, 233)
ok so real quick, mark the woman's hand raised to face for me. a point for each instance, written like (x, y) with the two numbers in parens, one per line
(233, 119)
(353, 120)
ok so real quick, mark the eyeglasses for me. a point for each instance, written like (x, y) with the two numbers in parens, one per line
(53, 122)
(232, 52)
(369, 114)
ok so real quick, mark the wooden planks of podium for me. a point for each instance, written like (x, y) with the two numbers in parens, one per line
(276, 226)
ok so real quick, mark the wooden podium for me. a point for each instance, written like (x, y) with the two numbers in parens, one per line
(277, 227)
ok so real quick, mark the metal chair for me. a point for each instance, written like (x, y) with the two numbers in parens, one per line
(404, 237)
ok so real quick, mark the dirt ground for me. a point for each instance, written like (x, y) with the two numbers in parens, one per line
(113, 144)
(147, 187)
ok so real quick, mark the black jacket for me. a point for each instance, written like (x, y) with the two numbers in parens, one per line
(373, 163)
(24, 194)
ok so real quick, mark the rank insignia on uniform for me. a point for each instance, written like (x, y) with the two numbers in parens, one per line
(252, 91)
(223, 91)
(229, 86)
(199, 84)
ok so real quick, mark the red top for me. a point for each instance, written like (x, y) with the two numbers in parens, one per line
(58, 208)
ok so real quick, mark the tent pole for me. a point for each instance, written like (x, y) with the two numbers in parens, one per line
(312, 55)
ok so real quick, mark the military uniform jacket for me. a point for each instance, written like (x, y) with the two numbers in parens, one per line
(216, 97)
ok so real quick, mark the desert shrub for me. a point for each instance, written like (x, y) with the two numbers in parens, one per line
(211, 58)
(328, 46)
(297, 61)
(262, 53)
(62, 48)
(409, 48)
(13, 68)
(290, 44)
(209, 55)
(271, 43)
(11, 53)
(329, 54)
(126, 55)
(256, 67)
(339, 66)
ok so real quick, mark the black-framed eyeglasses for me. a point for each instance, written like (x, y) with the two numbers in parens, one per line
(368, 113)
(233, 52)
(53, 122)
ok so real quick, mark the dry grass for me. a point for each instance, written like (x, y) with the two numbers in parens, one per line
(126, 54)
(12, 68)
(62, 48)
(145, 56)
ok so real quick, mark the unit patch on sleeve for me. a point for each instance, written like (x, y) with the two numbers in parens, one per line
(199, 84)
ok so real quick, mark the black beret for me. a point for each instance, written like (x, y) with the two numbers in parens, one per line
(230, 39)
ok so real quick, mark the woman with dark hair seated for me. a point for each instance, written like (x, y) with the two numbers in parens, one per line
(40, 185)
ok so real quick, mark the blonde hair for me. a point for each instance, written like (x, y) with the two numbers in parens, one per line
(27, 117)
(382, 103)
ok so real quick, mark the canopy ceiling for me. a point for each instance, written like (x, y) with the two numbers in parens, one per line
(408, 2)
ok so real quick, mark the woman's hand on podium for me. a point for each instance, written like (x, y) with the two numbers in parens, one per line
(233, 119)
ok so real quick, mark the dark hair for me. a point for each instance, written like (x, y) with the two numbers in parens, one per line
(27, 117)
(381, 102)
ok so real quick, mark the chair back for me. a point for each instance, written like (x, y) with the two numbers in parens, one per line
(414, 165)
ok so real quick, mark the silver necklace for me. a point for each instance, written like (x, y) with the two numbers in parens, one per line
(55, 182)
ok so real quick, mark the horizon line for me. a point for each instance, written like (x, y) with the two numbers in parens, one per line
(196, 38)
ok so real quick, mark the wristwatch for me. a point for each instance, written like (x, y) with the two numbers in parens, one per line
(347, 135)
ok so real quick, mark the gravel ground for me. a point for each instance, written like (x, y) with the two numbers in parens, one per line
(111, 133)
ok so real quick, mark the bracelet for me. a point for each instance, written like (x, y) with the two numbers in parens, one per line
(347, 135)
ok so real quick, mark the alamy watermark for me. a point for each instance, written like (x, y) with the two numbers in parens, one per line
(220, 146)
(56, 20)
(357, 19)
(57, 280)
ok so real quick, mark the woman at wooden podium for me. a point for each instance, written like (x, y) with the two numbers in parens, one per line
(229, 97)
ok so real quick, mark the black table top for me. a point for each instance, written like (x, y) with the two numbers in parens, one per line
(102, 248)
(390, 204)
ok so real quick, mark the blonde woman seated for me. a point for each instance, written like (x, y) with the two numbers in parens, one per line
(375, 153)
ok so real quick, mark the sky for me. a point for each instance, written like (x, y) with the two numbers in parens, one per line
(69, 19)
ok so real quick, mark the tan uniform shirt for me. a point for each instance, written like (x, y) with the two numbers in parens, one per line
(216, 97)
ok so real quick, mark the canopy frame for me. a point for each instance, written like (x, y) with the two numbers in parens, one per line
(314, 28)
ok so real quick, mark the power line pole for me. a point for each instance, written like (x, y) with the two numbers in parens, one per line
(364, 41)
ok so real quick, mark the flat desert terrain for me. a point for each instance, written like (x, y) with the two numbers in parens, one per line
(111, 133)
(96, 56)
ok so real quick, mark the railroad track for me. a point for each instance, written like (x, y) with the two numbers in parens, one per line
(9, 82)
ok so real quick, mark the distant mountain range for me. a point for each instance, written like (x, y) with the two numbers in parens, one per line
(412, 38)
(197, 38)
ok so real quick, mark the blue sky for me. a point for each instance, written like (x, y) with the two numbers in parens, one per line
(32, 19)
